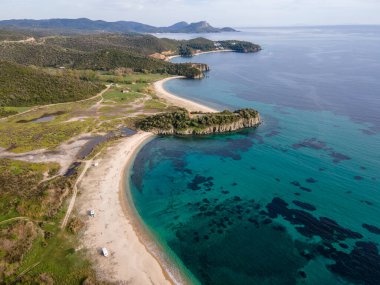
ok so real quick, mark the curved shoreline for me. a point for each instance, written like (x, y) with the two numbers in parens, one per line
(146, 237)
(102, 190)
(135, 256)
(200, 53)
(179, 101)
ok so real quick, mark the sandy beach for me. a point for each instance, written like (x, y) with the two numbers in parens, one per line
(102, 189)
(199, 53)
(178, 101)
(134, 258)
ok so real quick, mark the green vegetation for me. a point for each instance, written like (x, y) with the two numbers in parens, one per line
(23, 137)
(26, 86)
(30, 239)
(181, 121)
(112, 51)
(200, 44)
(240, 46)
(12, 35)
(99, 58)
(188, 48)
(4, 112)
(185, 51)
(138, 43)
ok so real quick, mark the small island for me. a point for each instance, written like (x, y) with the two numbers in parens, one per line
(182, 122)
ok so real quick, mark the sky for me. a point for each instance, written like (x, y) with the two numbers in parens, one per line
(235, 13)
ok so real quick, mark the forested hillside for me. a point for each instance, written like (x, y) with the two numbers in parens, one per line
(27, 86)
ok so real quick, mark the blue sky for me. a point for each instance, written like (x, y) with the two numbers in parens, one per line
(217, 12)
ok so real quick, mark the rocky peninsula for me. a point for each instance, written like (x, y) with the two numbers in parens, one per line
(182, 122)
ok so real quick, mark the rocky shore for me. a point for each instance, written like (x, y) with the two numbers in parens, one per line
(183, 123)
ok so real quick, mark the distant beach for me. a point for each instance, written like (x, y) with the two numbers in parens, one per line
(199, 53)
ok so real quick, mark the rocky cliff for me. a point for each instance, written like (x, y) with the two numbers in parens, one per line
(183, 123)
(202, 68)
(215, 129)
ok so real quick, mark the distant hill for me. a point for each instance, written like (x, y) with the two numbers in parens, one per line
(28, 86)
(104, 51)
(87, 25)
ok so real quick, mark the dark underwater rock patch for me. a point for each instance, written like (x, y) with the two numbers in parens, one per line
(200, 181)
(338, 157)
(305, 206)
(305, 189)
(272, 134)
(314, 143)
(297, 184)
(311, 180)
(358, 178)
(258, 138)
(308, 225)
(302, 274)
(372, 229)
(366, 202)
(368, 132)
(361, 265)
(243, 144)
(209, 257)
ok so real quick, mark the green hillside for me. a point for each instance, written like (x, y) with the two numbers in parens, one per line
(46, 55)
(27, 86)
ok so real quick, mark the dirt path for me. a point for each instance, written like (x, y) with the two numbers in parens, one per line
(75, 192)
(15, 219)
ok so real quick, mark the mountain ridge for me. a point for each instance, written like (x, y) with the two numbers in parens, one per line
(87, 25)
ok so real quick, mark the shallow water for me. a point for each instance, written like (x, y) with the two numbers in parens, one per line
(295, 201)
(44, 119)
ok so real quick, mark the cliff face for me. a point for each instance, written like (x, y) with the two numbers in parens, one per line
(202, 68)
(241, 123)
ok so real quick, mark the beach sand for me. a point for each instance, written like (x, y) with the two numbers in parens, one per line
(178, 101)
(103, 190)
(199, 53)
(134, 258)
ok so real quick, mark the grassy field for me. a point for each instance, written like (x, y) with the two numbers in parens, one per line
(24, 137)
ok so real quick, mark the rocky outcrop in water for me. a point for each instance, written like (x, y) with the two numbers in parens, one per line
(183, 123)
(202, 67)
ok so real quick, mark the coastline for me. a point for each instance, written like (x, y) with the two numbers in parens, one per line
(135, 256)
(178, 101)
(199, 53)
(114, 227)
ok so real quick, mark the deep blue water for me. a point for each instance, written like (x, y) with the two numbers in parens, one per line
(295, 201)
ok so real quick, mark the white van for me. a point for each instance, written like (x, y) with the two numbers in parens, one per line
(105, 252)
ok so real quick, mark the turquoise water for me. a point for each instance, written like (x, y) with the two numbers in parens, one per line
(295, 201)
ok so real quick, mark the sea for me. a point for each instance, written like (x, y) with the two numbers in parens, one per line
(295, 200)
